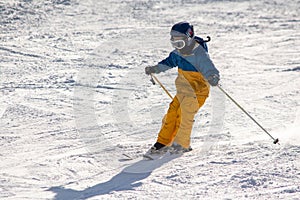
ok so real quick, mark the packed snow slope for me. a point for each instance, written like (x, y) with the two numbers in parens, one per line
(74, 98)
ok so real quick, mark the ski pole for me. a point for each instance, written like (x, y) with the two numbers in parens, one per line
(275, 141)
(161, 85)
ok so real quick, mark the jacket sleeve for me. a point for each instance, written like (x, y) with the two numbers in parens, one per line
(168, 63)
(205, 65)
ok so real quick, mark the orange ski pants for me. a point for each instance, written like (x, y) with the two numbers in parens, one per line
(178, 122)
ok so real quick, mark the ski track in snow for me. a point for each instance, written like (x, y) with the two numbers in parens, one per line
(74, 97)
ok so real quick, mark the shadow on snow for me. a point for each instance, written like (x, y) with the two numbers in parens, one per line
(128, 179)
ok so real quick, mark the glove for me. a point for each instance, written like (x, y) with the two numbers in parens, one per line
(152, 69)
(213, 79)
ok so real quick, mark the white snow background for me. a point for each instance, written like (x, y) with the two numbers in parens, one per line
(74, 98)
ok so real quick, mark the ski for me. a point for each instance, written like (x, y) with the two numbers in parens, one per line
(155, 157)
(149, 157)
(127, 156)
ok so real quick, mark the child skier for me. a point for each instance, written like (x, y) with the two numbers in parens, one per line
(195, 72)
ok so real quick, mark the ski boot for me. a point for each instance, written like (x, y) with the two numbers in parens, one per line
(178, 149)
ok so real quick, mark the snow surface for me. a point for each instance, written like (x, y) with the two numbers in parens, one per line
(74, 98)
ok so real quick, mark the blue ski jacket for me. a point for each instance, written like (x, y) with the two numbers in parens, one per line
(193, 70)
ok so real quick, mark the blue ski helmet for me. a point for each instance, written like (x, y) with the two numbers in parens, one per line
(181, 29)
(186, 32)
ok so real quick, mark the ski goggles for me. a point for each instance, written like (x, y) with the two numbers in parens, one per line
(177, 42)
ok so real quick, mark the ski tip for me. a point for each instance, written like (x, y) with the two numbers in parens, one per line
(128, 157)
(148, 157)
